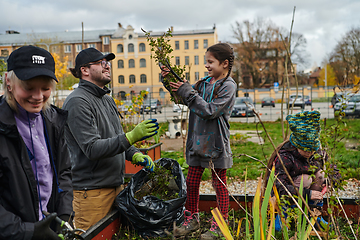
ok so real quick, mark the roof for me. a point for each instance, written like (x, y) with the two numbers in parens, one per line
(183, 32)
(76, 36)
(316, 73)
(53, 37)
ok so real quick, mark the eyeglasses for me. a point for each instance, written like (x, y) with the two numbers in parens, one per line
(103, 63)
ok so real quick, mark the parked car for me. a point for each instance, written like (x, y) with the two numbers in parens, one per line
(350, 106)
(179, 108)
(307, 100)
(241, 109)
(297, 101)
(152, 105)
(341, 97)
(124, 107)
(268, 101)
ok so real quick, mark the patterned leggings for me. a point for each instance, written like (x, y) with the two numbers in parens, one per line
(193, 184)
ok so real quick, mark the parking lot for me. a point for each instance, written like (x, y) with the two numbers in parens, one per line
(266, 113)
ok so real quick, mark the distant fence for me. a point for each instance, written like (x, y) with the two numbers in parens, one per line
(257, 94)
(266, 113)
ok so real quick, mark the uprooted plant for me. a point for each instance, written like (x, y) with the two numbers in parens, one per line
(160, 183)
(160, 51)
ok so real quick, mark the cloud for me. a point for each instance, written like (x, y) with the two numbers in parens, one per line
(322, 22)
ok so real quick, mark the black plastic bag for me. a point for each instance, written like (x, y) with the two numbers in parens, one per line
(150, 216)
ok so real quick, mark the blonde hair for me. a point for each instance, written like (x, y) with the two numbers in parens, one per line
(13, 79)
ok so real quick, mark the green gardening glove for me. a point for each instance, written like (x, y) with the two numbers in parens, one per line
(143, 160)
(142, 131)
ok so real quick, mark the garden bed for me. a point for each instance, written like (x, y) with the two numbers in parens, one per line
(108, 227)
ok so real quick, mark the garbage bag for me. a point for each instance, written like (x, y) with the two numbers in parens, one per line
(150, 216)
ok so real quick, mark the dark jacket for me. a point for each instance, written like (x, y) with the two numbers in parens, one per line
(297, 165)
(95, 137)
(19, 203)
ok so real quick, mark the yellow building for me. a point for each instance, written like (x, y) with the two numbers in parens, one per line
(134, 70)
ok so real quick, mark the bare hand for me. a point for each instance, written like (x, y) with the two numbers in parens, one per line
(316, 195)
(175, 86)
(165, 71)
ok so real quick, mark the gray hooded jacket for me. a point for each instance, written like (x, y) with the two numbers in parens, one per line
(97, 143)
(209, 128)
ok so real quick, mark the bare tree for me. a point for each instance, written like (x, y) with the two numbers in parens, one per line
(345, 58)
(261, 53)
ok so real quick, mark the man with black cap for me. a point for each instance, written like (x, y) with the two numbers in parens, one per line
(35, 169)
(96, 140)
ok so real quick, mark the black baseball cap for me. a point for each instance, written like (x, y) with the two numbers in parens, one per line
(89, 55)
(29, 61)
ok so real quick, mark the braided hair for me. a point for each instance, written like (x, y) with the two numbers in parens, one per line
(222, 52)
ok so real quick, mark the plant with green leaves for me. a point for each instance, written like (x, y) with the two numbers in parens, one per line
(2, 69)
(160, 51)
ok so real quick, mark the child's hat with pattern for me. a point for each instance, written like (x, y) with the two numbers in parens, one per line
(305, 128)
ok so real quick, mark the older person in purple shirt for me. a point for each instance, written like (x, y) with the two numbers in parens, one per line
(35, 171)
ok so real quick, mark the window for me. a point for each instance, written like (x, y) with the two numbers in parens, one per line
(177, 60)
(142, 63)
(4, 52)
(196, 60)
(91, 45)
(120, 64)
(67, 48)
(142, 78)
(206, 74)
(131, 63)
(132, 78)
(205, 43)
(159, 77)
(186, 43)
(271, 53)
(78, 47)
(177, 45)
(122, 95)
(131, 47)
(121, 79)
(69, 64)
(120, 48)
(55, 49)
(186, 60)
(196, 44)
(187, 76)
(197, 76)
(106, 40)
(204, 59)
(142, 47)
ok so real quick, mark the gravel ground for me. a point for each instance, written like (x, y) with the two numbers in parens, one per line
(352, 188)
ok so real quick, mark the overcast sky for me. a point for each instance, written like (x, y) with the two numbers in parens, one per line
(322, 22)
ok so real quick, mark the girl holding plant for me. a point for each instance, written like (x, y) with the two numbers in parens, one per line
(210, 102)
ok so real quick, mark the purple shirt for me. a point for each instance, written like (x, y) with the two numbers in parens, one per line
(35, 137)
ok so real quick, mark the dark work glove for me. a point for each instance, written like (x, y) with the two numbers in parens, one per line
(42, 229)
(66, 218)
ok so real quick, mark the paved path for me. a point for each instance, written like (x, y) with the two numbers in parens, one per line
(253, 135)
